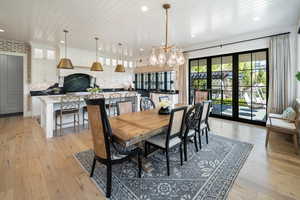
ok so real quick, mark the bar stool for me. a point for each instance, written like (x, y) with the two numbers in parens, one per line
(69, 104)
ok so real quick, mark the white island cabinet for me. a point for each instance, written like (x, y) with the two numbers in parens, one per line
(48, 104)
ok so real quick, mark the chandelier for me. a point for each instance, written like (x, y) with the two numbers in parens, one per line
(167, 55)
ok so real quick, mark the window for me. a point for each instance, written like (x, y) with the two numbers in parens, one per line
(101, 60)
(114, 62)
(107, 61)
(237, 84)
(50, 54)
(38, 53)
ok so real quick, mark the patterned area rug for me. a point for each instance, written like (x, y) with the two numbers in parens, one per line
(208, 174)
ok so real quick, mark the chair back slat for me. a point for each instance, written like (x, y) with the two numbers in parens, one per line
(124, 107)
(98, 121)
(205, 112)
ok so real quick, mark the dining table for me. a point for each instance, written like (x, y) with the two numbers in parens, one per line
(136, 127)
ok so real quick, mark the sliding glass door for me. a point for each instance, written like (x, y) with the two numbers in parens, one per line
(237, 84)
(221, 85)
(253, 86)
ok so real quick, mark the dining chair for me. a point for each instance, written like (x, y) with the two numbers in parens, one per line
(203, 122)
(146, 104)
(84, 108)
(191, 124)
(69, 104)
(200, 96)
(171, 138)
(106, 150)
(124, 107)
(163, 98)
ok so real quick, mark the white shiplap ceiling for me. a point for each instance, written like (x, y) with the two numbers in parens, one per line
(191, 21)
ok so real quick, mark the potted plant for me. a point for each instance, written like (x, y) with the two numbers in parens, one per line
(165, 108)
(94, 90)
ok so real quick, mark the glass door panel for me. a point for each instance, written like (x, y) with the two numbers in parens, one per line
(198, 76)
(221, 75)
(253, 86)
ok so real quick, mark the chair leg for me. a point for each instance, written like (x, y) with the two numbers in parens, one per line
(145, 149)
(199, 137)
(195, 142)
(181, 160)
(56, 125)
(185, 149)
(206, 134)
(93, 167)
(168, 164)
(267, 138)
(140, 164)
(295, 138)
(60, 126)
(108, 180)
(207, 124)
(83, 113)
(74, 116)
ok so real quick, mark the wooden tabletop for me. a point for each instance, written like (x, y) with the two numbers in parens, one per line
(135, 127)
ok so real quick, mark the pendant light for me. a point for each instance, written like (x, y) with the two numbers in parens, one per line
(120, 67)
(97, 66)
(168, 55)
(65, 63)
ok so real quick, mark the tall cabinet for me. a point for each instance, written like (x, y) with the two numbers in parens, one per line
(11, 84)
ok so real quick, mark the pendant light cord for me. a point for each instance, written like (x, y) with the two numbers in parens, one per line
(96, 48)
(65, 43)
(167, 19)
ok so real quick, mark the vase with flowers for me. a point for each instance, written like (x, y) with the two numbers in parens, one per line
(165, 108)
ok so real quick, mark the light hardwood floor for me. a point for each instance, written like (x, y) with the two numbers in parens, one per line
(33, 167)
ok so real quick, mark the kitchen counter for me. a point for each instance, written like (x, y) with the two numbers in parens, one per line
(48, 104)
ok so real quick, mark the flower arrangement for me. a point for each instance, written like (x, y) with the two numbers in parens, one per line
(164, 104)
(94, 90)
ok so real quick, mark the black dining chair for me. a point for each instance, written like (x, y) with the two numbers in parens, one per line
(106, 150)
(146, 104)
(170, 138)
(191, 124)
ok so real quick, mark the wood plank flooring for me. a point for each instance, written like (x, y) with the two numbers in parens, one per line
(33, 167)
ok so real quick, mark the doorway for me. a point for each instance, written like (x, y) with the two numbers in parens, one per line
(237, 83)
(11, 85)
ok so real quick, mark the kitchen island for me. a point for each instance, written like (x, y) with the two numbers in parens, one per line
(50, 103)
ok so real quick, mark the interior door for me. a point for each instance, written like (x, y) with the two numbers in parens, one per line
(11, 84)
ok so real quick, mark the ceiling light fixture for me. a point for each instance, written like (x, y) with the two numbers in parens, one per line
(62, 42)
(65, 63)
(2, 30)
(167, 55)
(120, 67)
(141, 49)
(144, 8)
(97, 66)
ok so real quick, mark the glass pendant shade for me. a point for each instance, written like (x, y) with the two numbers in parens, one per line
(172, 61)
(153, 58)
(65, 63)
(162, 57)
(180, 58)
